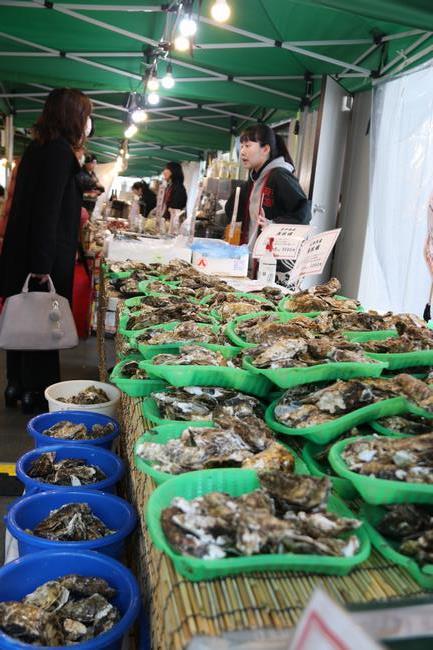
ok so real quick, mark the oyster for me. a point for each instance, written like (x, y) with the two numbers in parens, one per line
(131, 370)
(410, 424)
(130, 265)
(193, 355)
(65, 430)
(89, 395)
(218, 525)
(69, 471)
(61, 612)
(400, 459)
(230, 443)
(205, 403)
(73, 522)
(321, 298)
(185, 332)
(292, 492)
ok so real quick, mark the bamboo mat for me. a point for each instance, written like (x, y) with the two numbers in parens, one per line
(180, 610)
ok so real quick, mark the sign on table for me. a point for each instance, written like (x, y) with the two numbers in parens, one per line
(314, 254)
(283, 241)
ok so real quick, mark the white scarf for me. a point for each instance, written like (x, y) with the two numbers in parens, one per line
(255, 202)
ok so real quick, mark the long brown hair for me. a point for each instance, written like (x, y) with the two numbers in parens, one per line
(64, 115)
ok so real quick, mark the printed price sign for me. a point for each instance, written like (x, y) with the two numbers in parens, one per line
(326, 626)
(282, 240)
(314, 254)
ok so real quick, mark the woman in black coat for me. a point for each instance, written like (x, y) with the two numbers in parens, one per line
(175, 193)
(42, 232)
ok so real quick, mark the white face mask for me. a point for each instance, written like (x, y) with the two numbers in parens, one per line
(89, 127)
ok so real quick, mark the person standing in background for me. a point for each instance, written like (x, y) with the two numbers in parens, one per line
(87, 178)
(146, 197)
(175, 193)
(42, 231)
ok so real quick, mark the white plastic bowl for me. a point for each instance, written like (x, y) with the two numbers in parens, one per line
(70, 388)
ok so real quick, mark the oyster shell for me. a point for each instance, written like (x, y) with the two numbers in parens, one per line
(69, 471)
(186, 332)
(65, 430)
(72, 522)
(293, 492)
(193, 355)
(30, 624)
(131, 370)
(321, 298)
(89, 395)
(205, 403)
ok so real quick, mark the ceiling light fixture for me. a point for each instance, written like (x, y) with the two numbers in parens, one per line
(153, 99)
(188, 26)
(181, 43)
(220, 11)
(167, 81)
(139, 116)
(130, 131)
(153, 83)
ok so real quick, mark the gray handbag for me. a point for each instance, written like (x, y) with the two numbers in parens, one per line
(37, 320)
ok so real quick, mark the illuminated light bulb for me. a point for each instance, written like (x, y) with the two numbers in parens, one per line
(188, 27)
(130, 131)
(220, 11)
(120, 151)
(168, 80)
(181, 43)
(139, 115)
(153, 99)
(153, 84)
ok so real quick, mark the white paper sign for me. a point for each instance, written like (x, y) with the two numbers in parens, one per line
(314, 254)
(326, 626)
(160, 201)
(285, 240)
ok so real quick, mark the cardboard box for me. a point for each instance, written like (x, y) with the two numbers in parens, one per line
(147, 250)
(233, 267)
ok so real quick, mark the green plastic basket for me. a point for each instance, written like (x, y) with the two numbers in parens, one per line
(379, 428)
(324, 433)
(372, 516)
(236, 482)
(152, 413)
(167, 432)
(121, 275)
(134, 387)
(240, 295)
(378, 491)
(284, 305)
(289, 377)
(237, 378)
(148, 351)
(126, 315)
(342, 486)
(395, 360)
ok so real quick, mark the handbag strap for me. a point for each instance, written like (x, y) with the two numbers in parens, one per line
(25, 288)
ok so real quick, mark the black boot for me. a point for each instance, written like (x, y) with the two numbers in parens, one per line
(12, 394)
(33, 401)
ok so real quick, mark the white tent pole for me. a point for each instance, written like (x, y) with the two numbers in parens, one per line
(403, 54)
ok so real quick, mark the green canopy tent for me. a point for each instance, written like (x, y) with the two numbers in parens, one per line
(263, 64)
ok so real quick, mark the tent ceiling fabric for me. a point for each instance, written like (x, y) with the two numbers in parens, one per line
(252, 67)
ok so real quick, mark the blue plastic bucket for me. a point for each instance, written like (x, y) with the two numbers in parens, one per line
(40, 423)
(108, 462)
(23, 576)
(116, 513)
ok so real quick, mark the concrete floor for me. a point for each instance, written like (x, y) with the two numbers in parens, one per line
(78, 363)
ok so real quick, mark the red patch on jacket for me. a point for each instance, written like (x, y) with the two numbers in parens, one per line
(268, 197)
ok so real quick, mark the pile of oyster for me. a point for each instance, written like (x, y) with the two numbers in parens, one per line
(309, 405)
(89, 395)
(409, 424)
(186, 332)
(127, 288)
(302, 352)
(194, 355)
(230, 305)
(130, 265)
(398, 459)
(66, 430)
(286, 515)
(177, 311)
(69, 471)
(66, 611)
(73, 522)
(205, 403)
(411, 527)
(230, 442)
(410, 339)
(131, 370)
(321, 298)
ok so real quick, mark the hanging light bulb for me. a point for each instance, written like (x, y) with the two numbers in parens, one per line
(168, 80)
(139, 115)
(130, 131)
(188, 26)
(153, 99)
(220, 11)
(181, 43)
(153, 83)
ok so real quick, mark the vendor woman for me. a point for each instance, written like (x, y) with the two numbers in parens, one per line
(175, 193)
(272, 193)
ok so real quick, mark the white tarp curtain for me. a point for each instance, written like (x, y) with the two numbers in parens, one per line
(394, 274)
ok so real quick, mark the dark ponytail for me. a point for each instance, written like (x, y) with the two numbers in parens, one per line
(263, 134)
